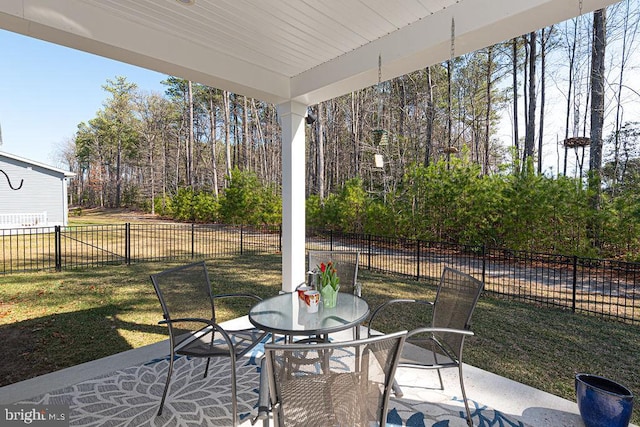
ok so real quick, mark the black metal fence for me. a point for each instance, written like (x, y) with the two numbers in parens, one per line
(62, 248)
(607, 288)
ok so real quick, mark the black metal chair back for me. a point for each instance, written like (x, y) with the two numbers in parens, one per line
(188, 307)
(346, 265)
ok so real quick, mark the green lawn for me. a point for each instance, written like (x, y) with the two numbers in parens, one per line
(49, 321)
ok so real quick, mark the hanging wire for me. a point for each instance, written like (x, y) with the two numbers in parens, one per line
(453, 38)
(452, 55)
(379, 89)
(380, 135)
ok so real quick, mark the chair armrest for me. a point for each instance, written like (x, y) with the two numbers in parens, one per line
(222, 296)
(464, 332)
(211, 327)
(446, 349)
(186, 319)
(387, 304)
(263, 395)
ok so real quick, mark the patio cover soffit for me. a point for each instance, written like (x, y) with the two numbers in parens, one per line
(279, 50)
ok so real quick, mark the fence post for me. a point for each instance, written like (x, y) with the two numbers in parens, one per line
(280, 239)
(58, 249)
(127, 243)
(369, 251)
(193, 241)
(330, 240)
(241, 239)
(575, 283)
(417, 259)
(484, 262)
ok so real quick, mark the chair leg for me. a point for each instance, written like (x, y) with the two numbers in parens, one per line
(264, 399)
(166, 385)
(440, 379)
(464, 396)
(206, 368)
(396, 389)
(234, 398)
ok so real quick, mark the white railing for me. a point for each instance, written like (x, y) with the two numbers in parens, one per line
(15, 220)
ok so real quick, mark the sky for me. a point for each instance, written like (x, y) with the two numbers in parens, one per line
(46, 90)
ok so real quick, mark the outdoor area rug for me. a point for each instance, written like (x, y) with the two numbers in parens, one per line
(130, 397)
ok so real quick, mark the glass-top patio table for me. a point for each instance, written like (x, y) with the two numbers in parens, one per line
(286, 314)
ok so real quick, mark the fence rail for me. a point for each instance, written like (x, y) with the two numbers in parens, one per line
(608, 288)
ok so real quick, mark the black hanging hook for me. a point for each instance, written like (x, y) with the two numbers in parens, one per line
(9, 181)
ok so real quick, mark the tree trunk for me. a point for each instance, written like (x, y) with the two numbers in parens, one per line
(525, 82)
(514, 70)
(529, 137)
(118, 172)
(627, 43)
(449, 113)
(430, 113)
(321, 159)
(543, 57)
(572, 58)
(487, 118)
(189, 148)
(355, 130)
(227, 132)
(153, 180)
(597, 106)
(236, 160)
(246, 140)
(213, 142)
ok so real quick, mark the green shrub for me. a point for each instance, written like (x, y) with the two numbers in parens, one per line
(182, 205)
(162, 205)
(205, 207)
(246, 201)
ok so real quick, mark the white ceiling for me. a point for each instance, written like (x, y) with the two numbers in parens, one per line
(278, 50)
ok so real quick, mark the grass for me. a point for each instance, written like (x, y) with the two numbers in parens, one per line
(49, 321)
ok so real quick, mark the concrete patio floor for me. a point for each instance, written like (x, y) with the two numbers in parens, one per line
(531, 407)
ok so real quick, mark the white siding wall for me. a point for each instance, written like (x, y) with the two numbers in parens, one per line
(42, 190)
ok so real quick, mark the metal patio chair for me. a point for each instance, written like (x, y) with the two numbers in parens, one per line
(329, 384)
(455, 301)
(346, 264)
(189, 311)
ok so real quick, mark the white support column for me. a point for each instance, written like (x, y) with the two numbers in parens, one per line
(292, 121)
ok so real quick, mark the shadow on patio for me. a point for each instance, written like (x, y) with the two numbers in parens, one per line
(125, 388)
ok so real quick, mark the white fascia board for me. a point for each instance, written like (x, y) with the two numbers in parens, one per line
(478, 23)
(66, 173)
(78, 25)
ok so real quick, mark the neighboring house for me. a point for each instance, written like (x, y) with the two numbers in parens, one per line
(32, 194)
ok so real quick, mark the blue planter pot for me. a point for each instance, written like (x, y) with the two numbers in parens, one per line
(602, 402)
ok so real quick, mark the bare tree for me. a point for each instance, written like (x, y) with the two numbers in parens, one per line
(226, 108)
(514, 70)
(189, 145)
(320, 173)
(488, 109)
(544, 39)
(597, 104)
(597, 120)
(529, 136)
(630, 23)
(429, 118)
(213, 141)
(571, 45)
